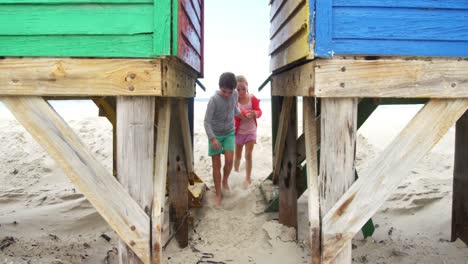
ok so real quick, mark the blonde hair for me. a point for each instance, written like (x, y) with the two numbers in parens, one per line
(241, 78)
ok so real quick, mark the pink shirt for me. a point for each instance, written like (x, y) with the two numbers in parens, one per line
(246, 126)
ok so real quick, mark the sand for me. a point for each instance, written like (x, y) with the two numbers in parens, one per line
(45, 219)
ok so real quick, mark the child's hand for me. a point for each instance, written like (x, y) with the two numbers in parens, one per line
(215, 144)
(251, 114)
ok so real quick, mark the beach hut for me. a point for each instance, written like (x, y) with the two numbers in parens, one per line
(139, 61)
(345, 57)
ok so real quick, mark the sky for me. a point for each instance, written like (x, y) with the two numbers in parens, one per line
(236, 40)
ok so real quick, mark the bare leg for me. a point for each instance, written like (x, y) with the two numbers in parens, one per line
(238, 157)
(228, 160)
(216, 161)
(248, 161)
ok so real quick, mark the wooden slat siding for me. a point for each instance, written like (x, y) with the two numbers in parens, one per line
(160, 177)
(197, 7)
(103, 191)
(178, 180)
(80, 77)
(132, 46)
(400, 24)
(275, 7)
(101, 19)
(391, 78)
(382, 177)
(323, 30)
(189, 38)
(311, 145)
(187, 31)
(162, 28)
(191, 14)
(299, 81)
(460, 182)
(135, 146)
(289, 9)
(202, 6)
(280, 142)
(188, 54)
(287, 177)
(337, 154)
(446, 4)
(297, 48)
(54, 2)
(297, 23)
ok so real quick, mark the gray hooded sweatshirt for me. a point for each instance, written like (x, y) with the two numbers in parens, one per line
(219, 116)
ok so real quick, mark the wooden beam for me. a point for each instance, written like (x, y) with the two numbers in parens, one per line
(109, 198)
(311, 145)
(178, 80)
(299, 81)
(178, 181)
(377, 182)
(287, 177)
(460, 182)
(107, 107)
(437, 78)
(281, 136)
(337, 153)
(135, 154)
(186, 138)
(160, 175)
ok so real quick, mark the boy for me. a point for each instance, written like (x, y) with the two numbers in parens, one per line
(219, 126)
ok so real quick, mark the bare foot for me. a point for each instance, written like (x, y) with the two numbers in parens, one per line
(218, 200)
(226, 186)
(247, 183)
(236, 166)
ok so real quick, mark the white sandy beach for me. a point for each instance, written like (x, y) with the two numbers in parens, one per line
(44, 219)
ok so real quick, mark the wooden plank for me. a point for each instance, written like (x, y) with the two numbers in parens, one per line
(460, 182)
(311, 145)
(288, 10)
(132, 46)
(392, 24)
(187, 32)
(160, 175)
(196, 5)
(178, 181)
(280, 142)
(382, 177)
(337, 153)
(189, 12)
(186, 137)
(100, 19)
(275, 7)
(178, 80)
(162, 27)
(297, 48)
(53, 2)
(109, 198)
(135, 146)
(299, 81)
(81, 77)
(439, 78)
(287, 177)
(299, 21)
(428, 4)
(323, 29)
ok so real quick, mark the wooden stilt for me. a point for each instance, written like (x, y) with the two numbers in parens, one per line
(460, 182)
(338, 139)
(109, 198)
(160, 175)
(311, 145)
(135, 141)
(364, 198)
(178, 181)
(182, 105)
(281, 136)
(287, 175)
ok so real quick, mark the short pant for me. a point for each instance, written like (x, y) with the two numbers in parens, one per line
(226, 141)
(242, 139)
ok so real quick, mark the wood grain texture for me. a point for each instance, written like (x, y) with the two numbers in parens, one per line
(377, 182)
(460, 182)
(81, 77)
(280, 141)
(392, 78)
(178, 80)
(98, 185)
(311, 147)
(178, 180)
(101, 19)
(337, 154)
(287, 176)
(299, 81)
(135, 146)
(160, 176)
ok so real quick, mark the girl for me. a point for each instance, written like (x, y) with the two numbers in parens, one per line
(246, 126)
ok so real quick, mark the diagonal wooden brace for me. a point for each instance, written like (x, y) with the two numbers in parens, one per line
(109, 198)
(378, 181)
